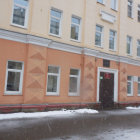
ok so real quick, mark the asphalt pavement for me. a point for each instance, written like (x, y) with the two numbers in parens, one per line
(106, 125)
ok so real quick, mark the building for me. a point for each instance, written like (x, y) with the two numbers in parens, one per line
(65, 53)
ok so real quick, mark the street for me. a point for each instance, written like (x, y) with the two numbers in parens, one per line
(106, 125)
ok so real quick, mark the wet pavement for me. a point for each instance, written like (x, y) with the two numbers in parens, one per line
(106, 125)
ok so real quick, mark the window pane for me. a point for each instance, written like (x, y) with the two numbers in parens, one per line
(138, 51)
(21, 2)
(13, 81)
(19, 15)
(75, 20)
(52, 83)
(54, 27)
(74, 32)
(101, 1)
(74, 72)
(129, 87)
(56, 13)
(52, 69)
(139, 88)
(98, 28)
(14, 65)
(73, 84)
(129, 77)
(111, 43)
(98, 39)
(138, 79)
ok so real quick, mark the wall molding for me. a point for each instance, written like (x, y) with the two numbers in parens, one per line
(48, 43)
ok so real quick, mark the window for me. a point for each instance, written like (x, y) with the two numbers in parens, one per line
(112, 40)
(138, 48)
(55, 23)
(114, 4)
(130, 7)
(100, 1)
(139, 86)
(129, 85)
(74, 83)
(98, 35)
(14, 77)
(75, 28)
(20, 13)
(53, 80)
(138, 13)
(129, 45)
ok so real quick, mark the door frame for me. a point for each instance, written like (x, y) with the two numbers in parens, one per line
(115, 72)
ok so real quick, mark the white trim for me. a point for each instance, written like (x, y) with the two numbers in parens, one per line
(115, 40)
(26, 15)
(48, 43)
(60, 22)
(131, 81)
(79, 26)
(116, 5)
(115, 72)
(102, 35)
(58, 82)
(78, 83)
(107, 17)
(131, 45)
(21, 79)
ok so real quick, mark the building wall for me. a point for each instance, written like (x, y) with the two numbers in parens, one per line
(62, 51)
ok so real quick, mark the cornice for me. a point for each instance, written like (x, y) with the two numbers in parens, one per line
(31, 39)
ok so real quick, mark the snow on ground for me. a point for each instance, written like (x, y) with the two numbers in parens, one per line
(45, 114)
(133, 107)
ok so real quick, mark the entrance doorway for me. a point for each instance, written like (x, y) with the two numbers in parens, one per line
(107, 87)
(106, 90)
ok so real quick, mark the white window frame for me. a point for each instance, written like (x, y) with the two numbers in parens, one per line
(131, 7)
(60, 22)
(79, 25)
(58, 81)
(26, 15)
(138, 85)
(115, 40)
(78, 83)
(102, 35)
(101, 2)
(131, 82)
(138, 46)
(115, 4)
(21, 79)
(130, 44)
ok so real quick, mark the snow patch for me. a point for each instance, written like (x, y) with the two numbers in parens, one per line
(45, 114)
(133, 107)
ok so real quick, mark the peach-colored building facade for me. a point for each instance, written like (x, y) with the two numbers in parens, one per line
(74, 52)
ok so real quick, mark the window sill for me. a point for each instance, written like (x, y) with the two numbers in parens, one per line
(115, 10)
(112, 50)
(73, 94)
(130, 17)
(54, 35)
(78, 41)
(12, 93)
(19, 26)
(130, 55)
(52, 94)
(99, 46)
(130, 95)
(101, 3)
